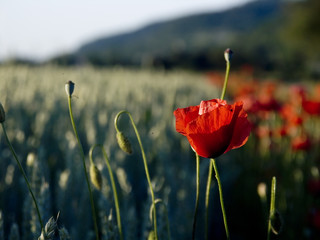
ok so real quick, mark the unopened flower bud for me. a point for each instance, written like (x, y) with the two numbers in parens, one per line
(69, 88)
(228, 54)
(2, 114)
(95, 176)
(124, 143)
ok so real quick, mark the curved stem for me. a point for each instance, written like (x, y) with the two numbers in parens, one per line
(272, 204)
(208, 197)
(24, 175)
(85, 170)
(114, 189)
(166, 212)
(145, 166)
(221, 198)
(225, 80)
(197, 197)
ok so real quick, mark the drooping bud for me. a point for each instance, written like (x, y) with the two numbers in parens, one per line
(69, 88)
(95, 176)
(228, 54)
(124, 142)
(2, 114)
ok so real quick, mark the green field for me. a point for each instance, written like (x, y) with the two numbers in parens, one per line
(38, 125)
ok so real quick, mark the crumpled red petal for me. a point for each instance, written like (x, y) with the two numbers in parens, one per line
(184, 116)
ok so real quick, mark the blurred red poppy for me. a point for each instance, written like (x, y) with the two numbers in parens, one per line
(301, 142)
(291, 115)
(311, 107)
(213, 127)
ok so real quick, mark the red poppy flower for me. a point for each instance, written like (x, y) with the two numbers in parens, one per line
(213, 127)
(311, 107)
(301, 142)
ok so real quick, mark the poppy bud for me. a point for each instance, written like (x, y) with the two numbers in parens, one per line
(228, 54)
(69, 88)
(95, 176)
(124, 142)
(2, 114)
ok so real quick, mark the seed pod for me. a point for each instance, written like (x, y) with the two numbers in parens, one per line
(124, 143)
(69, 88)
(2, 114)
(95, 177)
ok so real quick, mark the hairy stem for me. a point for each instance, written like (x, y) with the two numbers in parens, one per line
(197, 197)
(24, 175)
(272, 204)
(225, 80)
(145, 166)
(113, 185)
(207, 198)
(221, 198)
(85, 170)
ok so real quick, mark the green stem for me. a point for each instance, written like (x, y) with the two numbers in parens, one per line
(85, 170)
(208, 197)
(197, 197)
(225, 80)
(272, 204)
(24, 175)
(221, 198)
(114, 189)
(145, 167)
(166, 213)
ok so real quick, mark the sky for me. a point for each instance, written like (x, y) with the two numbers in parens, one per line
(41, 29)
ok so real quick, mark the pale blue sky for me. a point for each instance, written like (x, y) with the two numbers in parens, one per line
(40, 29)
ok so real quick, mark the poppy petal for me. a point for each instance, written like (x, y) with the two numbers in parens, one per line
(184, 116)
(241, 132)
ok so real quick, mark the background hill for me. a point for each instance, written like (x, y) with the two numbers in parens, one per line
(265, 34)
